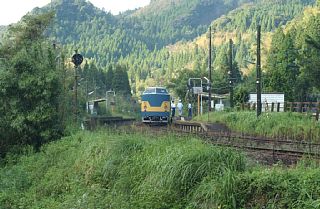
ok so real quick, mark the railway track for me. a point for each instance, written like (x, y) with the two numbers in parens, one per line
(264, 149)
(219, 134)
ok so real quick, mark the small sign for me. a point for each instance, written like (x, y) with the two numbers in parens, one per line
(197, 90)
(77, 59)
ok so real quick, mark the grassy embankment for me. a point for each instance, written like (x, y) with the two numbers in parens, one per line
(119, 170)
(286, 125)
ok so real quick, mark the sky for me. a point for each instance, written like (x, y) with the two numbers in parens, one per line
(12, 10)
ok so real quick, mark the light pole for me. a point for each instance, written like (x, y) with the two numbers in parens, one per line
(209, 63)
(258, 66)
(230, 72)
(208, 88)
(258, 71)
(77, 60)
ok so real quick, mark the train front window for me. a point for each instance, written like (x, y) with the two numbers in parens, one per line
(155, 90)
(162, 91)
(150, 91)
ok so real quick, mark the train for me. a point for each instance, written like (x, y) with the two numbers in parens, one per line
(155, 105)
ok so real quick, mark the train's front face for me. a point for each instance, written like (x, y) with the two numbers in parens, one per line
(155, 105)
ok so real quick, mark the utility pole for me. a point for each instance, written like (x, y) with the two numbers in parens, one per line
(259, 105)
(87, 102)
(77, 60)
(76, 91)
(209, 63)
(231, 79)
(95, 87)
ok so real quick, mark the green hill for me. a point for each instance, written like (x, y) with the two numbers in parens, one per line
(165, 22)
(239, 24)
(270, 14)
(158, 41)
(107, 38)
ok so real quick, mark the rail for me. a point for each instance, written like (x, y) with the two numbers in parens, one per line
(220, 135)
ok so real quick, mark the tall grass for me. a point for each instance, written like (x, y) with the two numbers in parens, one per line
(164, 173)
(111, 169)
(284, 125)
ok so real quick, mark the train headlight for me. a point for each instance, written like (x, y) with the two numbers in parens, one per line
(144, 106)
(166, 107)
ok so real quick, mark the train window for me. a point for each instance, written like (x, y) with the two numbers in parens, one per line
(155, 90)
(161, 91)
(150, 91)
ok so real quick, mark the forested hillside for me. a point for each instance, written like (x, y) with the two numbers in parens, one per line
(165, 22)
(270, 14)
(185, 59)
(293, 64)
(107, 38)
(166, 41)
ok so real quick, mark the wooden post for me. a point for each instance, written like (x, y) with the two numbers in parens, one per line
(272, 106)
(278, 107)
(285, 107)
(318, 110)
(300, 105)
(310, 107)
(304, 106)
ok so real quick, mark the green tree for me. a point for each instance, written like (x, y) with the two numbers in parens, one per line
(30, 87)
(120, 81)
(282, 71)
(109, 78)
(241, 95)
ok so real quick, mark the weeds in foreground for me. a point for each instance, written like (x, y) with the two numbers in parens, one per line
(109, 169)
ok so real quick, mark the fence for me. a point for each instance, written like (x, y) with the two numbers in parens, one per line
(312, 108)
